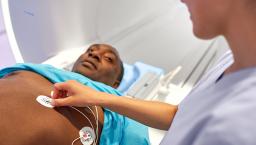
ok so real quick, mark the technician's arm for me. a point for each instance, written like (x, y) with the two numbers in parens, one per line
(154, 114)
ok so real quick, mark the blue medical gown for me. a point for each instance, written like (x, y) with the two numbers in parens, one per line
(219, 113)
(117, 129)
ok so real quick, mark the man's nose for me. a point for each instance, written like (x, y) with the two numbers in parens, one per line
(95, 55)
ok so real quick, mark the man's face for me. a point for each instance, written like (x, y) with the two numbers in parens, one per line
(100, 63)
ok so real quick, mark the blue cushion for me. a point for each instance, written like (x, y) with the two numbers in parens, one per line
(134, 72)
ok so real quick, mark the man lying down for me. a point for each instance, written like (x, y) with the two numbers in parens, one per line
(24, 121)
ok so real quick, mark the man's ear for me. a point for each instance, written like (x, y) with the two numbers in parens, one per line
(116, 84)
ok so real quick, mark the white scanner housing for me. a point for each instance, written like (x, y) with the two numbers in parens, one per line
(155, 32)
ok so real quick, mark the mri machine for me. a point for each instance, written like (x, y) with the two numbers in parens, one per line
(154, 38)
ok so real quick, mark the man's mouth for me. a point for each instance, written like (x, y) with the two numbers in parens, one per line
(89, 64)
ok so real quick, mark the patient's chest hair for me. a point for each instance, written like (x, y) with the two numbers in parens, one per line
(87, 134)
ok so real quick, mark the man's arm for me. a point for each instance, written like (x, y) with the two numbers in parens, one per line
(154, 114)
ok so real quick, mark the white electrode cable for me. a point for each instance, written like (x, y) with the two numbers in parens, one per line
(96, 120)
(95, 142)
(84, 116)
(96, 117)
(75, 140)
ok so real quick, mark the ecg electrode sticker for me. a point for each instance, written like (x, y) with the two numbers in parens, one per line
(45, 101)
(87, 135)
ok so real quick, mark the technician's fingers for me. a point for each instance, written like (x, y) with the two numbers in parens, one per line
(62, 102)
(63, 86)
(63, 89)
(56, 93)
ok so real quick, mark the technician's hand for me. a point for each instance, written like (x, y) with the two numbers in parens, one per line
(72, 93)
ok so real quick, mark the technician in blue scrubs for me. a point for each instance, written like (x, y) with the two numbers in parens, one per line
(221, 110)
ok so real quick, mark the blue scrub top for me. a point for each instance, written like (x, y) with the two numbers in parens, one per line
(217, 113)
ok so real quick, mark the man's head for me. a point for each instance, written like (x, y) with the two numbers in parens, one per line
(102, 63)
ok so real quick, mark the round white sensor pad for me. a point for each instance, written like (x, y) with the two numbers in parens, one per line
(87, 135)
(45, 101)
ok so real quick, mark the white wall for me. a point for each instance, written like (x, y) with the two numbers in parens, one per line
(6, 55)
